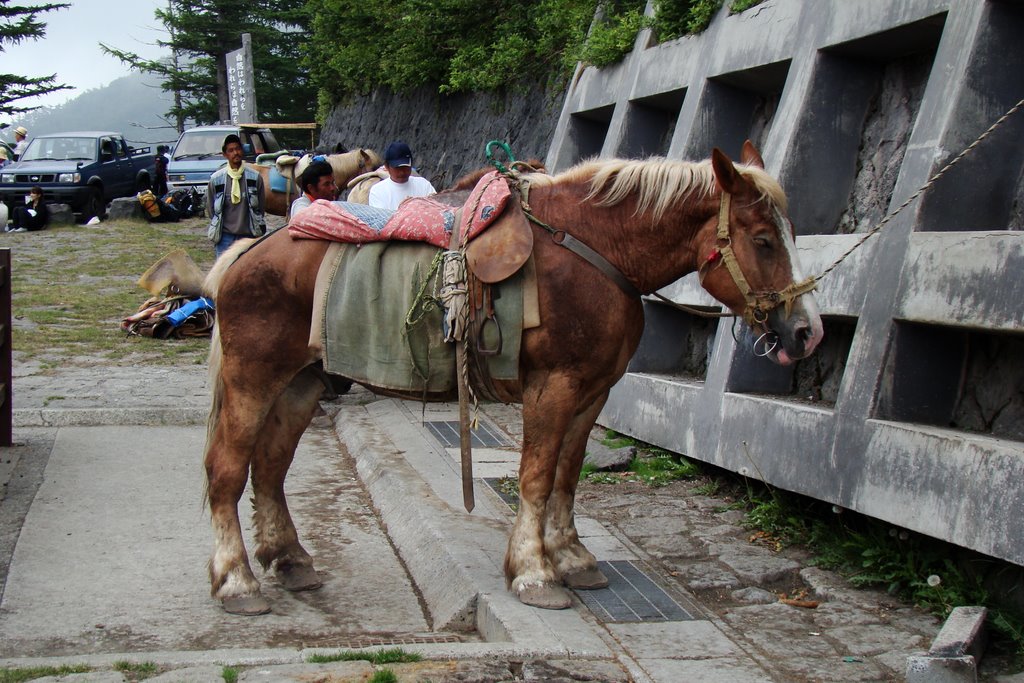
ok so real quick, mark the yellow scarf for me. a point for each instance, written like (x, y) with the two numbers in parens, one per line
(236, 186)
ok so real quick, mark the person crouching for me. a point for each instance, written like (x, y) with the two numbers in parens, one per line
(33, 216)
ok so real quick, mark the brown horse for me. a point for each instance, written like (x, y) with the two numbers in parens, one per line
(654, 220)
(346, 167)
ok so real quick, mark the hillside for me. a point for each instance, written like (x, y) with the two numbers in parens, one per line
(138, 109)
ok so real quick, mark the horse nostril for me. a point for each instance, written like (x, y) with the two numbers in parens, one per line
(803, 333)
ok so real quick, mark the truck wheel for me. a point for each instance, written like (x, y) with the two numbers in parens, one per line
(94, 206)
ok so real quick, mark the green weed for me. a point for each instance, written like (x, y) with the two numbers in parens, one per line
(873, 554)
(652, 465)
(30, 673)
(383, 676)
(136, 671)
(738, 6)
(229, 674)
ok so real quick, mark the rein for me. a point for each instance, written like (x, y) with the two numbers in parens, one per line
(758, 304)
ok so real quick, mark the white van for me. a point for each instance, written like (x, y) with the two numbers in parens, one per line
(197, 154)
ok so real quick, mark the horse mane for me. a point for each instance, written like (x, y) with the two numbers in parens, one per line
(659, 182)
(469, 181)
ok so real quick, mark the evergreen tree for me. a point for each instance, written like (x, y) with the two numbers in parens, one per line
(202, 32)
(19, 23)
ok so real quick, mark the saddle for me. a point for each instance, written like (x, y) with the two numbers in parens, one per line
(383, 350)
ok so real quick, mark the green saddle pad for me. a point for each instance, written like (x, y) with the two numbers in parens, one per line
(365, 332)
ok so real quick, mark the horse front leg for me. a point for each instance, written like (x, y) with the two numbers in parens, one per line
(277, 541)
(573, 563)
(547, 412)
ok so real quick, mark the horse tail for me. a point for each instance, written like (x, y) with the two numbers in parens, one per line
(213, 279)
(216, 399)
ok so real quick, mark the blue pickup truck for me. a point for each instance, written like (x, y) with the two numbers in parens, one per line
(84, 169)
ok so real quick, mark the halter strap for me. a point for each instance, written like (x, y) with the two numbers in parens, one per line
(758, 304)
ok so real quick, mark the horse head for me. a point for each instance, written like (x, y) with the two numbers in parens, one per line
(748, 259)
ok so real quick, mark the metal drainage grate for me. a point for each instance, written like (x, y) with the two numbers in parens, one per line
(484, 436)
(496, 485)
(631, 596)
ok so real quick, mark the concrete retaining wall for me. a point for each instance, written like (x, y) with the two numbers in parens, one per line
(912, 411)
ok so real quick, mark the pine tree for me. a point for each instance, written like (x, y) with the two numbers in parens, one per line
(17, 24)
(202, 32)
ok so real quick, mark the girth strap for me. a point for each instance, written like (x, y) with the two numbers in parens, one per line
(595, 259)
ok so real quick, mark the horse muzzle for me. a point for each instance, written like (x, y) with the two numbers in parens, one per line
(787, 339)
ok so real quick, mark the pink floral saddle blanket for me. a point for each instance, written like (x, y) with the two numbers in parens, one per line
(418, 219)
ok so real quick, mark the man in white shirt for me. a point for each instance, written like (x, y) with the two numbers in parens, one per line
(400, 183)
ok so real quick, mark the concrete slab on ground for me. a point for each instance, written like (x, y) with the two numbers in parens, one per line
(112, 554)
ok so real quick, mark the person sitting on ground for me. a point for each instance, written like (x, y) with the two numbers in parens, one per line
(400, 183)
(33, 216)
(316, 182)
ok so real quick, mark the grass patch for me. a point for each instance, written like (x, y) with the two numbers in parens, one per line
(395, 655)
(72, 285)
(870, 553)
(384, 676)
(32, 672)
(652, 465)
(229, 674)
(136, 671)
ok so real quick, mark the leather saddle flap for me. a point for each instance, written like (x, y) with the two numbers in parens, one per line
(502, 249)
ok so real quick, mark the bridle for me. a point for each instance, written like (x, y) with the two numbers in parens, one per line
(757, 304)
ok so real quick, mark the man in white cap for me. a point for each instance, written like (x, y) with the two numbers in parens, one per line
(400, 183)
(20, 141)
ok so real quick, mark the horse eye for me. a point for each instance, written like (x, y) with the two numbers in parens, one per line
(762, 242)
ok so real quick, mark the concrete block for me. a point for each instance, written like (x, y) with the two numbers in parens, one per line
(928, 669)
(955, 652)
(962, 634)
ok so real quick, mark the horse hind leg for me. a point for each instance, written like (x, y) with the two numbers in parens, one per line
(227, 468)
(276, 537)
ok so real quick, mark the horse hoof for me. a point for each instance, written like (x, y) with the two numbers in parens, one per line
(245, 605)
(299, 578)
(586, 579)
(545, 596)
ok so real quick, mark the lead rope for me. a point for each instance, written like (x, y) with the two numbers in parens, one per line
(931, 181)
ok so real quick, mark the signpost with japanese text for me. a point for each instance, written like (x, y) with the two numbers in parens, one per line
(241, 88)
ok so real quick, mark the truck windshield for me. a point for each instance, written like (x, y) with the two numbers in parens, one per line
(64, 149)
(199, 144)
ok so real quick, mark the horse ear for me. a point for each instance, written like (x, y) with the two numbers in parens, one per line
(725, 173)
(750, 155)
